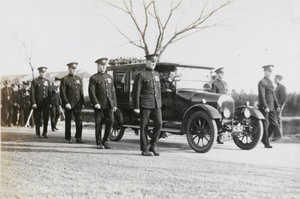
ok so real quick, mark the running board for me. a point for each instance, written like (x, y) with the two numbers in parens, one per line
(170, 130)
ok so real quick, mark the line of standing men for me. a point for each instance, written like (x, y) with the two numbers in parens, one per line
(271, 102)
(146, 98)
(15, 104)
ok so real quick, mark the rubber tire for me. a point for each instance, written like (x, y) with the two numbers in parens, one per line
(117, 127)
(213, 132)
(257, 124)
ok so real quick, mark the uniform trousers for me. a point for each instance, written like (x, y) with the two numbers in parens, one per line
(157, 119)
(103, 116)
(21, 117)
(78, 121)
(279, 120)
(7, 110)
(270, 126)
(15, 116)
(42, 108)
(55, 113)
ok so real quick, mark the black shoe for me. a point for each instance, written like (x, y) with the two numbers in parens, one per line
(45, 135)
(105, 144)
(100, 146)
(154, 150)
(38, 136)
(53, 129)
(68, 140)
(79, 140)
(268, 146)
(56, 128)
(146, 153)
(219, 141)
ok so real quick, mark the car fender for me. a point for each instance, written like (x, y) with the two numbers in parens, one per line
(211, 111)
(253, 111)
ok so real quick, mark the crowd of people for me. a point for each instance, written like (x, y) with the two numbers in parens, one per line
(42, 99)
(45, 99)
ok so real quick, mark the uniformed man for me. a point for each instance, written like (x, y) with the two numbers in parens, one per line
(267, 103)
(7, 103)
(21, 113)
(281, 95)
(56, 103)
(16, 104)
(2, 115)
(71, 93)
(219, 86)
(147, 100)
(41, 101)
(103, 99)
(25, 106)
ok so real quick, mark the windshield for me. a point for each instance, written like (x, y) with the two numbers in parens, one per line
(195, 78)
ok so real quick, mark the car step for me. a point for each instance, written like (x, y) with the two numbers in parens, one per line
(171, 130)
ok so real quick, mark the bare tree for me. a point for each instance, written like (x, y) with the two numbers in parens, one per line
(166, 33)
(28, 52)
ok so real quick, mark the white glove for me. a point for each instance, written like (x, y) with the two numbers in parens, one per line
(137, 111)
(97, 106)
(114, 109)
(68, 106)
(34, 106)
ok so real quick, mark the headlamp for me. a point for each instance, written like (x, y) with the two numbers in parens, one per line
(247, 113)
(226, 113)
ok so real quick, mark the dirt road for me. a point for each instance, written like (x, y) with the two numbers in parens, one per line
(50, 168)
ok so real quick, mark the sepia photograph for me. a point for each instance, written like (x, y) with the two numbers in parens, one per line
(145, 99)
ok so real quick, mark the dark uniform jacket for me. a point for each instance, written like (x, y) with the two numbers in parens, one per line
(102, 90)
(25, 98)
(219, 86)
(56, 100)
(146, 90)
(266, 95)
(280, 93)
(16, 97)
(71, 91)
(40, 91)
(7, 96)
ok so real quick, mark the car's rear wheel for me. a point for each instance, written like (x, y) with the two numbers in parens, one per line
(251, 136)
(201, 131)
(117, 130)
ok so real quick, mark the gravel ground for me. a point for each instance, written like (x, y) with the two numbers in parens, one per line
(51, 168)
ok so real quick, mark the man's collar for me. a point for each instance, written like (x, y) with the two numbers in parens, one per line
(149, 69)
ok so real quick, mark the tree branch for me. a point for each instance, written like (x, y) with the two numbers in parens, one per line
(195, 25)
(123, 34)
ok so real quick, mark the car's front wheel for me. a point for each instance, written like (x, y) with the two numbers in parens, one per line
(201, 131)
(251, 135)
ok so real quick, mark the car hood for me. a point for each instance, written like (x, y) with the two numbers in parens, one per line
(216, 100)
(195, 96)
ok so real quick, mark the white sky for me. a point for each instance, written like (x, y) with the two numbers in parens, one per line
(261, 32)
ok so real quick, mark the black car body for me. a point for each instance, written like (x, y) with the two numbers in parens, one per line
(188, 107)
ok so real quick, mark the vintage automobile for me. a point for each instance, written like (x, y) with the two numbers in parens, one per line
(188, 107)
